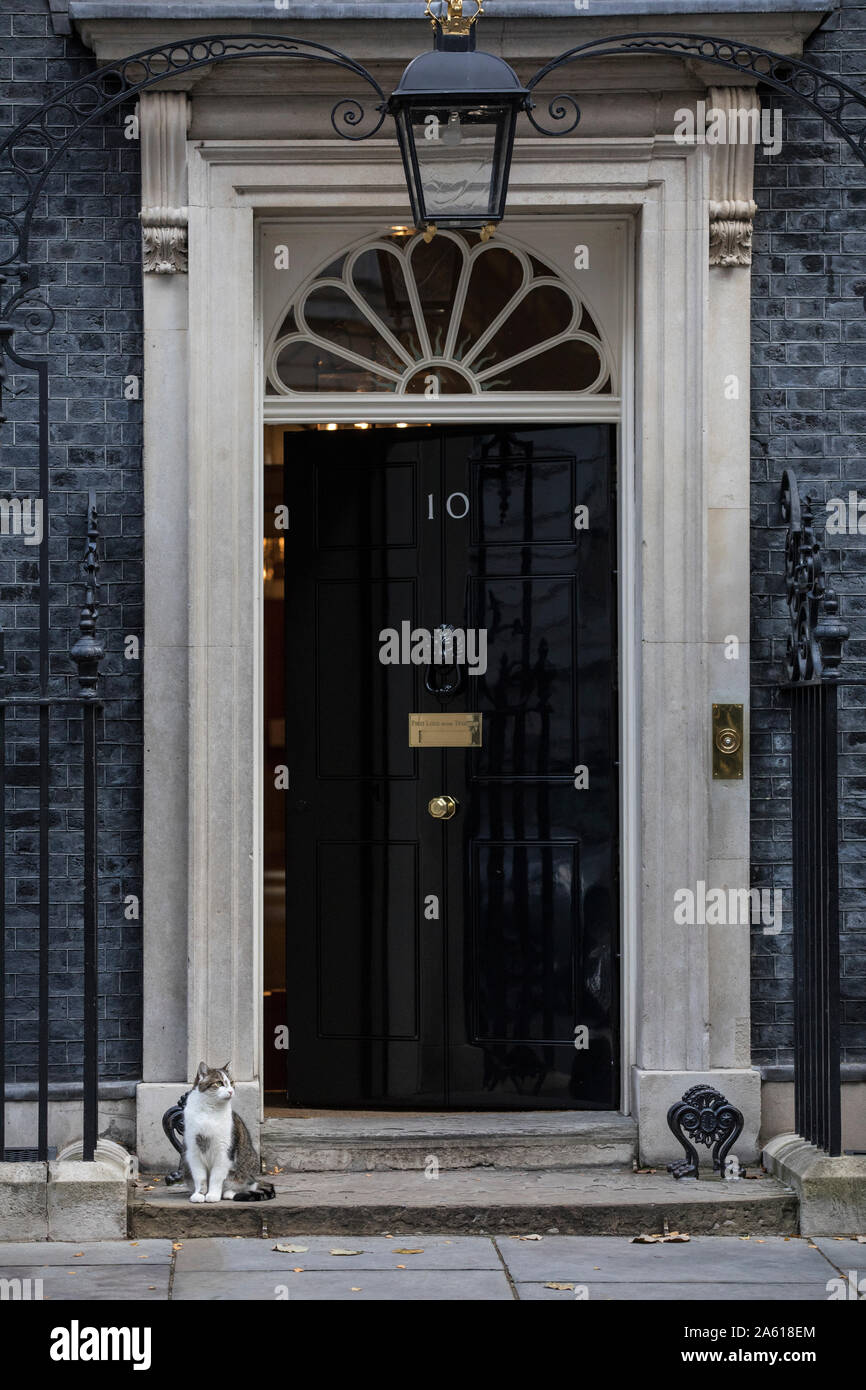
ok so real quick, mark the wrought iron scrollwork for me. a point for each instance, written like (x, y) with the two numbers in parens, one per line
(558, 109)
(831, 99)
(30, 151)
(172, 1124)
(817, 633)
(705, 1116)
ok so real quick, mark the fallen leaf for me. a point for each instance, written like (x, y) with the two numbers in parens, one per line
(355, 1289)
(79, 1254)
(559, 1286)
(175, 1245)
(144, 1257)
(291, 1249)
(133, 1242)
(299, 1269)
(345, 1252)
(407, 1252)
(151, 1286)
(861, 1240)
(529, 1237)
(401, 1266)
(674, 1238)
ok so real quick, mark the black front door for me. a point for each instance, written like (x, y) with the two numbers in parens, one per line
(469, 961)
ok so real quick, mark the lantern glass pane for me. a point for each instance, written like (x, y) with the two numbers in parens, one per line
(458, 154)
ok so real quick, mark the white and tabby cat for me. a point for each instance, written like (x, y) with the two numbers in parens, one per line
(219, 1157)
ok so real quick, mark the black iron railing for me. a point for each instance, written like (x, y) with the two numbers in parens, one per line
(17, 711)
(812, 681)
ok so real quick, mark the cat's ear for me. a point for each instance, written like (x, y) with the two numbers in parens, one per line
(202, 1071)
(227, 1072)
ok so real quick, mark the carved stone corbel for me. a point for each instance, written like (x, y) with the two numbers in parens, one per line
(163, 124)
(732, 111)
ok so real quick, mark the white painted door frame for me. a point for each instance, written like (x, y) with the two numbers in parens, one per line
(685, 1001)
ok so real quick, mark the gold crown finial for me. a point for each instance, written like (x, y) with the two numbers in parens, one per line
(450, 17)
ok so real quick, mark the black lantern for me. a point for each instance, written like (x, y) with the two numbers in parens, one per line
(456, 109)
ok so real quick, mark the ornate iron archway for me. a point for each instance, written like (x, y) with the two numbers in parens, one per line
(28, 157)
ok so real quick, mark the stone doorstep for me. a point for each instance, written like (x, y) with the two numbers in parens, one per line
(377, 1143)
(600, 1201)
(831, 1191)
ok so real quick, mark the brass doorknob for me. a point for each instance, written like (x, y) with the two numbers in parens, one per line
(442, 807)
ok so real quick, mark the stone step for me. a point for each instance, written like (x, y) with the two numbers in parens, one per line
(336, 1142)
(587, 1201)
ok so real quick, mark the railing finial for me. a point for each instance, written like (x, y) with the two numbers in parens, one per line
(817, 633)
(88, 650)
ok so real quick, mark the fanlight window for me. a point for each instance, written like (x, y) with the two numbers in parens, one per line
(452, 316)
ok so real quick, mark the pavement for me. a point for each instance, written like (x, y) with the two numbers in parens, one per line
(438, 1267)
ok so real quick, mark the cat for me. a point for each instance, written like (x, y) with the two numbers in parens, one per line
(219, 1157)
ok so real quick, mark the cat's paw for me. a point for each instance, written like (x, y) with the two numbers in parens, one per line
(197, 1197)
(213, 1197)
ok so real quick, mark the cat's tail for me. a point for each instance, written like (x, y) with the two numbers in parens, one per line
(257, 1192)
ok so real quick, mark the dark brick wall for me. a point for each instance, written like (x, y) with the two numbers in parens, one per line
(809, 403)
(809, 412)
(85, 250)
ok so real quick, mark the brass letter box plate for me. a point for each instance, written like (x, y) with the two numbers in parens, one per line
(444, 730)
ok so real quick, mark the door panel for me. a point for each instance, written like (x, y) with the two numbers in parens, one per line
(532, 956)
(364, 981)
(451, 963)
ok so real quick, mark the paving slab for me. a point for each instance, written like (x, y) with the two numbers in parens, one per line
(710, 1260)
(96, 1282)
(685, 1293)
(402, 1286)
(844, 1253)
(594, 1201)
(226, 1254)
(91, 1252)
